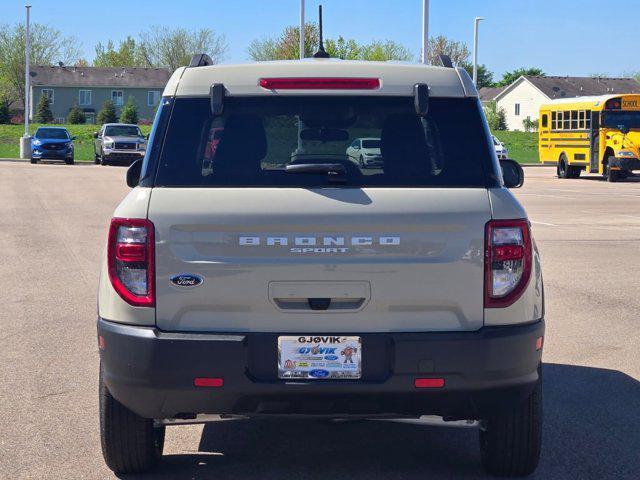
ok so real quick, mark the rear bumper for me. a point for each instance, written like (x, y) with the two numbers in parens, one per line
(152, 373)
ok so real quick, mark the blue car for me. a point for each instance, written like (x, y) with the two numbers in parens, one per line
(52, 143)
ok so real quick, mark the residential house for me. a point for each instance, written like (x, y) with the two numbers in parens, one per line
(522, 98)
(90, 87)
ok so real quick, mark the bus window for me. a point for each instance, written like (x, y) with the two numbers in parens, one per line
(587, 123)
(554, 125)
(544, 121)
(566, 120)
(574, 119)
(581, 120)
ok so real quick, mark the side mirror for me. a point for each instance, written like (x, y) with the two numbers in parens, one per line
(512, 173)
(133, 173)
(74, 138)
(95, 134)
(147, 136)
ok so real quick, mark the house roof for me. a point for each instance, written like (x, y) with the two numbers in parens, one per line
(489, 93)
(69, 76)
(571, 87)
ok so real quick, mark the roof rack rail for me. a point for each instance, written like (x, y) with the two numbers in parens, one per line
(200, 60)
(445, 60)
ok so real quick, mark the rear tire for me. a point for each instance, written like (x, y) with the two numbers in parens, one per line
(511, 441)
(34, 160)
(563, 168)
(96, 158)
(574, 172)
(130, 443)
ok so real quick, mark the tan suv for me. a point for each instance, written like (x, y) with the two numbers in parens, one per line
(272, 275)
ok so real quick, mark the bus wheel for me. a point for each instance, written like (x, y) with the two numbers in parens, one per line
(563, 168)
(612, 175)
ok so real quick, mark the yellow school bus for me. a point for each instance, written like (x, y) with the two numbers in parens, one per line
(595, 134)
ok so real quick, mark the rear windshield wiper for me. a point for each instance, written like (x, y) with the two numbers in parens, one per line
(335, 171)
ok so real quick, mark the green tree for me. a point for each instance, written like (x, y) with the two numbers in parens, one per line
(485, 76)
(43, 111)
(509, 77)
(5, 115)
(108, 113)
(172, 48)
(441, 45)
(76, 116)
(127, 54)
(129, 112)
(496, 116)
(286, 46)
(48, 46)
(530, 125)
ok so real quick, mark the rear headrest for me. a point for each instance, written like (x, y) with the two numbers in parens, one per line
(243, 144)
(403, 146)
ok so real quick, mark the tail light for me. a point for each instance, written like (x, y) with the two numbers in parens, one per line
(131, 260)
(507, 261)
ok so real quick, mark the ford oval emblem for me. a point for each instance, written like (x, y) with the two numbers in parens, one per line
(318, 373)
(187, 280)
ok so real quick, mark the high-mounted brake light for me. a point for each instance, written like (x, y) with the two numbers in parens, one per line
(130, 255)
(508, 258)
(320, 83)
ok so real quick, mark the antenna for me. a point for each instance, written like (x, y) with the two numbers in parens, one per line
(321, 53)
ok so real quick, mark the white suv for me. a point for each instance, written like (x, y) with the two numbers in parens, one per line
(239, 282)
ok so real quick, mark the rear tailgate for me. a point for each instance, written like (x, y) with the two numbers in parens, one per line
(371, 260)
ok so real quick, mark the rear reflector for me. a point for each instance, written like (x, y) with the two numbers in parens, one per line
(208, 382)
(101, 343)
(320, 83)
(539, 341)
(429, 382)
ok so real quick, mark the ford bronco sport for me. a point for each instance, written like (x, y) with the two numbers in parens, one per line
(271, 275)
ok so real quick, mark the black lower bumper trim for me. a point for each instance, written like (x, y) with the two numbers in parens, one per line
(152, 373)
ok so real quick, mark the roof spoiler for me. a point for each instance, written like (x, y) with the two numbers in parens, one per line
(200, 60)
(445, 60)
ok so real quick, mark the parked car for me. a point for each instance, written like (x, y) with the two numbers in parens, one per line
(501, 150)
(265, 286)
(118, 143)
(52, 143)
(365, 152)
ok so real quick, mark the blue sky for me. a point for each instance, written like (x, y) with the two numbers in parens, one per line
(563, 37)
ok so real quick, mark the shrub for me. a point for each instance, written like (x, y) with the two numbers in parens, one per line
(129, 112)
(530, 125)
(43, 113)
(496, 117)
(5, 115)
(76, 116)
(108, 113)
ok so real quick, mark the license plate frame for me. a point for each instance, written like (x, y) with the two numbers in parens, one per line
(319, 357)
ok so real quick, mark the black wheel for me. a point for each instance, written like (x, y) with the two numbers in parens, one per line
(103, 161)
(612, 175)
(510, 441)
(361, 161)
(563, 167)
(70, 161)
(574, 172)
(96, 158)
(34, 160)
(130, 443)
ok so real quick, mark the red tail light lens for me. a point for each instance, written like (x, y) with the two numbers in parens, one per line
(508, 260)
(320, 83)
(130, 255)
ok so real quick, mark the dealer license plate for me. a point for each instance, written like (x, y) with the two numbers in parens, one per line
(317, 357)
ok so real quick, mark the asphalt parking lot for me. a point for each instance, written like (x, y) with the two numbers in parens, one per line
(53, 221)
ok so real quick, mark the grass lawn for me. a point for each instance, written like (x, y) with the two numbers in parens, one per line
(522, 146)
(10, 139)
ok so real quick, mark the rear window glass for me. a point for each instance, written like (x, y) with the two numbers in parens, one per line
(256, 138)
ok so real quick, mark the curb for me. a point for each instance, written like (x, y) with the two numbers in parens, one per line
(22, 160)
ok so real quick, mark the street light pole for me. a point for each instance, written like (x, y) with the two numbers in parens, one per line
(476, 21)
(301, 29)
(25, 141)
(425, 29)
